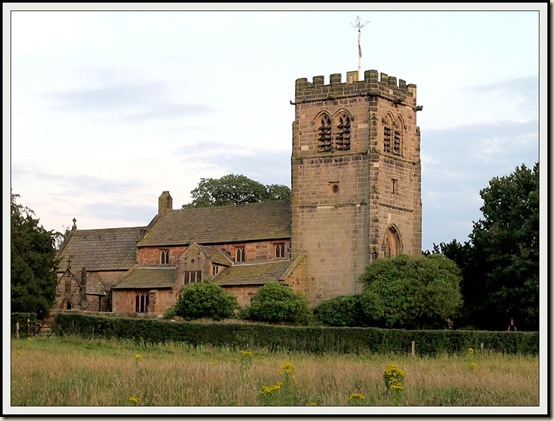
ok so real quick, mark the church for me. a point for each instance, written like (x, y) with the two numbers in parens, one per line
(356, 197)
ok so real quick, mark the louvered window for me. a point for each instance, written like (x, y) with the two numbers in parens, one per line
(324, 134)
(396, 148)
(387, 139)
(342, 140)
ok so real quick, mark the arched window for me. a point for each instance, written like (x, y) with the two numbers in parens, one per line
(324, 133)
(392, 244)
(397, 137)
(342, 139)
(66, 304)
(387, 133)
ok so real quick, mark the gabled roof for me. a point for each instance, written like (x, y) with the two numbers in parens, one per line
(256, 273)
(221, 224)
(94, 284)
(101, 249)
(146, 277)
(216, 255)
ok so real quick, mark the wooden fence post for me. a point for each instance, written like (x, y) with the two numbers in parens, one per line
(413, 348)
(17, 330)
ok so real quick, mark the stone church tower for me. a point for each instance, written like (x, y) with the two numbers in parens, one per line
(356, 177)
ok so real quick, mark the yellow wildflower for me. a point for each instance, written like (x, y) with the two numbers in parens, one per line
(134, 399)
(138, 356)
(247, 354)
(312, 404)
(473, 365)
(287, 367)
(355, 396)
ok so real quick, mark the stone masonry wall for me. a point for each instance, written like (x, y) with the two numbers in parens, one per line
(343, 201)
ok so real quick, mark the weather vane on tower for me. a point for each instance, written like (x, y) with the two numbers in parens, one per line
(359, 25)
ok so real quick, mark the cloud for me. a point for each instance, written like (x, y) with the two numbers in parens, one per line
(75, 184)
(113, 210)
(457, 163)
(527, 87)
(134, 101)
(265, 166)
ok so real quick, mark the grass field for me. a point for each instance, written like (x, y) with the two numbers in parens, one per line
(78, 372)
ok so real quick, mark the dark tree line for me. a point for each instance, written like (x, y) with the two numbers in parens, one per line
(500, 262)
(33, 263)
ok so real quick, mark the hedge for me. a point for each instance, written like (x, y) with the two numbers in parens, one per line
(310, 339)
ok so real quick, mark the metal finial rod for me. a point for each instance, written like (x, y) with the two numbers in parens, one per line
(359, 25)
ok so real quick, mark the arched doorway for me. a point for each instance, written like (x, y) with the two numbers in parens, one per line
(392, 245)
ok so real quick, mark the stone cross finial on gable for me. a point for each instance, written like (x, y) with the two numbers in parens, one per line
(74, 227)
(69, 263)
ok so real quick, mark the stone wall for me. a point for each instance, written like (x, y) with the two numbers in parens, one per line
(124, 301)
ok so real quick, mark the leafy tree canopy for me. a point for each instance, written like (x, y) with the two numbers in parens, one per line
(412, 292)
(33, 263)
(234, 189)
(500, 262)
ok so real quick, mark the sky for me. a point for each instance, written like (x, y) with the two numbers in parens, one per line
(106, 107)
(109, 108)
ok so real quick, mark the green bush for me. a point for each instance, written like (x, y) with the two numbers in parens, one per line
(205, 300)
(170, 313)
(345, 310)
(413, 292)
(275, 302)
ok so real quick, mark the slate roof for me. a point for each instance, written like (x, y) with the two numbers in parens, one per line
(147, 277)
(255, 273)
(101, 249)
(220, 224)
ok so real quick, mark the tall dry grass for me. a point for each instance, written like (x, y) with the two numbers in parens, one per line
(76, 372)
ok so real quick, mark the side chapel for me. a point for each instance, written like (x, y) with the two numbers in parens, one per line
(356, 197)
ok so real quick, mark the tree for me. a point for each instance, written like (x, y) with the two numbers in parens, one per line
(412, 292)
(500, 262)
(205, 300)
(234, 189)
(33, 263)
(275, 302)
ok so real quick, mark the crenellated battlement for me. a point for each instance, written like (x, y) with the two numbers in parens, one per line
(381, 85)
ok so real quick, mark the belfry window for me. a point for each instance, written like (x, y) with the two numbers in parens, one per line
(387, 135)
(396, 143)
(342, 140)
(324, 134)
(397, 140)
